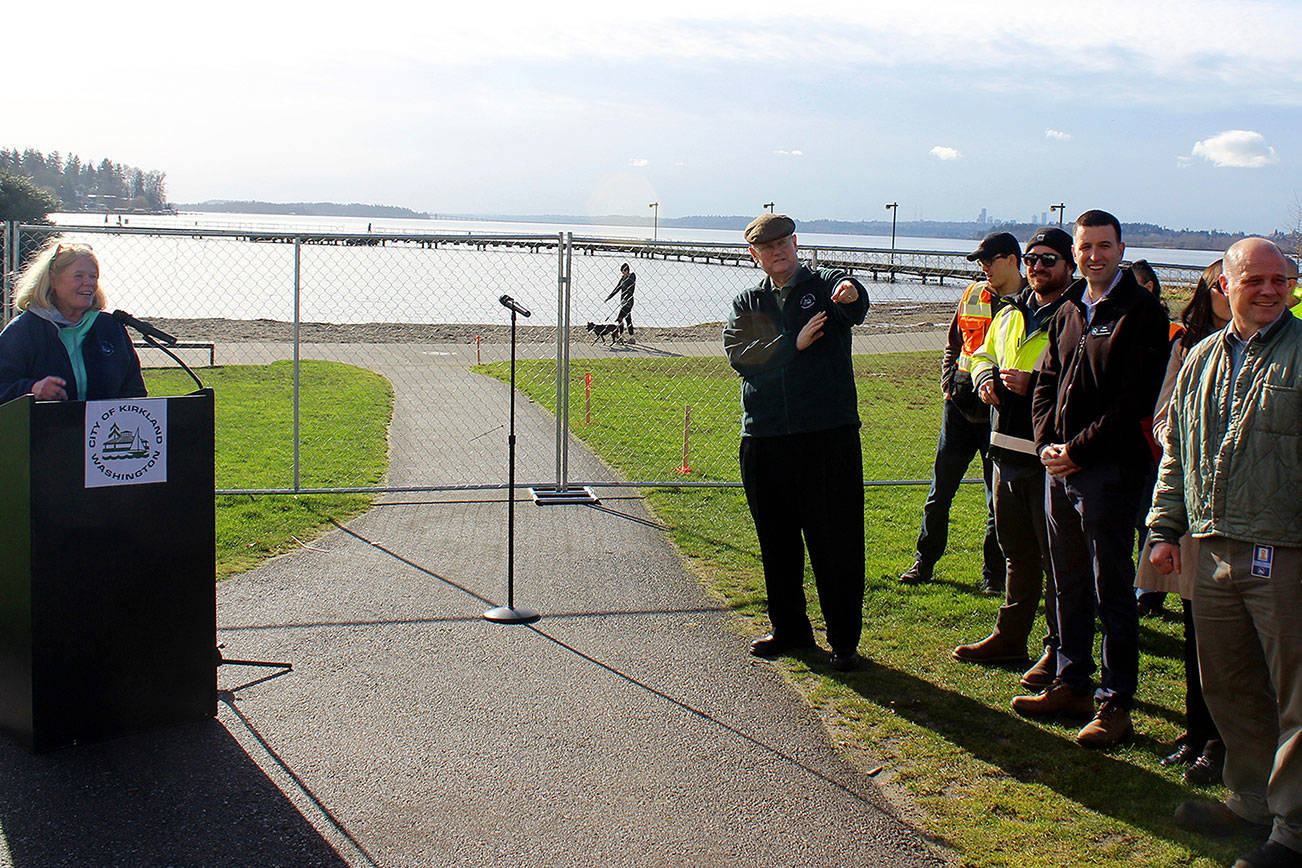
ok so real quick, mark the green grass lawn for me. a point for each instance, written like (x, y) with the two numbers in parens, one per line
(344, 411)
(1000, 789)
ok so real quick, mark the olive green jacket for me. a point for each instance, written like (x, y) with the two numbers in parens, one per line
(1232, 453)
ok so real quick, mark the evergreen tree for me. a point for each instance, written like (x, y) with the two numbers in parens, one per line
(23, 201)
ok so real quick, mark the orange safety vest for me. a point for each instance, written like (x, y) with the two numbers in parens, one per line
(975, 310)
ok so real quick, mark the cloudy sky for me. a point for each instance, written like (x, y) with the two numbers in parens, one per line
(1186, 114)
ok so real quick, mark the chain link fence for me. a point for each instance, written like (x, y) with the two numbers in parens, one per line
(423, 311)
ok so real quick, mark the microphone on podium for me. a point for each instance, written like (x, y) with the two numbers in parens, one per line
(143, 327)
(153, 336)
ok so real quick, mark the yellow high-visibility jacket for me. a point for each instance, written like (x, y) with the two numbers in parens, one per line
(1010, 346)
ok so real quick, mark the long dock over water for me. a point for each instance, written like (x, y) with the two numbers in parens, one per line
(878, 264)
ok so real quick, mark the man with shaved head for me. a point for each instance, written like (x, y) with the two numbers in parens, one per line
(1231, 475)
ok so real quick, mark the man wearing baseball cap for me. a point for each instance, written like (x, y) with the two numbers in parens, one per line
(801, 461)
(965, 420)
(1003, 370)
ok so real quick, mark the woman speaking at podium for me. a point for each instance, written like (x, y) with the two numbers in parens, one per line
(60, 348)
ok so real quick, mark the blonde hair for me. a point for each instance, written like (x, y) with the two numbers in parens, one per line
(34, 286)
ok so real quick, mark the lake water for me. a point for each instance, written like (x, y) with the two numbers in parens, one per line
(214, 276)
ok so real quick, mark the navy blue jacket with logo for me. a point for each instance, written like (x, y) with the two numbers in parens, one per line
(785, 391)
(1096, 384)
(30, 350)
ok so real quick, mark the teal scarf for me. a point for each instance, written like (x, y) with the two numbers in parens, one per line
(72, 337)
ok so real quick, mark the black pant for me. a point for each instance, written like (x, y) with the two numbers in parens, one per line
(960, 441)
(625, 316)
(1198, 720)
(812, 484)
(1091, 519)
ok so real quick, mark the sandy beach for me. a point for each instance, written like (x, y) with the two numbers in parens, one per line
(884, 317)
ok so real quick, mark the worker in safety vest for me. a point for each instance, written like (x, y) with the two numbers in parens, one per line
(965, 423)
(1003, 370)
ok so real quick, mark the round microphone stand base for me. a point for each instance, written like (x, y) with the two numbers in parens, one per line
(512, 615)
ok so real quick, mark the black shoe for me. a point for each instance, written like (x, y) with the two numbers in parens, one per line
(1272, 854)
(1150, 610)
(916, 574)
(1186, 752)
(1206, 770)
(776, 646)
(991, 589)
(845, 661)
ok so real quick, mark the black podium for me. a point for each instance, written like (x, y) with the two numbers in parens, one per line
(108, 613)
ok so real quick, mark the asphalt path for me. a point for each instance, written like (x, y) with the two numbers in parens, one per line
(627, 727)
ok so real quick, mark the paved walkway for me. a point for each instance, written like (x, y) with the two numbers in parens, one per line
(627, 727)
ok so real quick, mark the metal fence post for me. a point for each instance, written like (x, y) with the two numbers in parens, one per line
(9, 264)
(298, 244)
(564, 402)
(561, 304)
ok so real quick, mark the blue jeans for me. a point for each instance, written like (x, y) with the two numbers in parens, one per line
(1091, 518)
(961, 440)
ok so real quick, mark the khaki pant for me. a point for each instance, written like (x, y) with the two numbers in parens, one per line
(1250, 657)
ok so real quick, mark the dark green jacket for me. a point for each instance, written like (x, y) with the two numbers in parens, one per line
(785, 391)
(1232, 459)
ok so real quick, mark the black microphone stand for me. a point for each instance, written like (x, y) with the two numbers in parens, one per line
(151, 334)
(510, 614)
(149, 339)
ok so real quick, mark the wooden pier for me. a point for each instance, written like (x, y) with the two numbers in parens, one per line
(881, 264)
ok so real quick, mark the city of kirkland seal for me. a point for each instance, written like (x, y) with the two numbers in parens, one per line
(126, 442)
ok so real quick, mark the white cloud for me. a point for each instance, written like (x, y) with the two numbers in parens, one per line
(941, 152)
(639, 162)
(1058, 135)
(783, 152)
(1183, 162)
(1239, 149)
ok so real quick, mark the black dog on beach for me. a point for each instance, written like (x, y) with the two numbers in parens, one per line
(602, 330)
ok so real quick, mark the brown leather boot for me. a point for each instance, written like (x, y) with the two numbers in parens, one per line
(992, 649)
(1110, 726)
(1057, 700)
(1042, 674)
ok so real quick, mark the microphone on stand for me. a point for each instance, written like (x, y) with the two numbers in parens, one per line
(153, 336)
(145, 328)
(511, 304)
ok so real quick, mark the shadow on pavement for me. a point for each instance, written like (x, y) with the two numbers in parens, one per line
(185, 795)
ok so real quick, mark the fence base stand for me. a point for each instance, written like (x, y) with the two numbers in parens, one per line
(561, 496)
(512, 615)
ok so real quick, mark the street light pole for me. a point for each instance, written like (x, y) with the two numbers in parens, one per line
(1059, 208)
(894, 208)
(769, 205)
(655, 220)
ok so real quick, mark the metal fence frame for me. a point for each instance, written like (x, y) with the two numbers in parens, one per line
(879, 263)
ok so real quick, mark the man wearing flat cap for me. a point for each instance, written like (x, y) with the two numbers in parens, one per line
(801, 462)
(965, 419)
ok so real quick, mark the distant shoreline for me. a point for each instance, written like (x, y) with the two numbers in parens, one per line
(1146, 235)
(302, 209)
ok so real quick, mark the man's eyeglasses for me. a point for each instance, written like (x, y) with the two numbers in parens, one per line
(1048, 260)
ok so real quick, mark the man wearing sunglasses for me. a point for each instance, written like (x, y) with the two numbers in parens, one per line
(1003, 373)
(965, 420)
(1095, 388)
